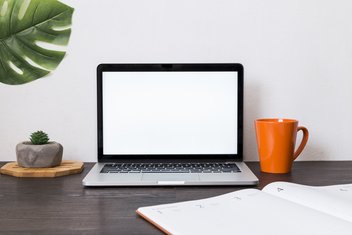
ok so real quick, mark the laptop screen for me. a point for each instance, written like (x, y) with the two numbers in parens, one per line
(162, 112)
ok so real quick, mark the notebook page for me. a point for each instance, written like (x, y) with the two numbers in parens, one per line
(335, 200)
(247, 211)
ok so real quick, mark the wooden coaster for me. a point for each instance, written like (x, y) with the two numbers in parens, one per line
(66, 168)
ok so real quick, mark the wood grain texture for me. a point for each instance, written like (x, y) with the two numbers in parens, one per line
(63, 206)
(66, 168)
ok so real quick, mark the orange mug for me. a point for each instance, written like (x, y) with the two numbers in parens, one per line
(276, 140)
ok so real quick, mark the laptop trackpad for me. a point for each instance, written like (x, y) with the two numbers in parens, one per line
(179, 177)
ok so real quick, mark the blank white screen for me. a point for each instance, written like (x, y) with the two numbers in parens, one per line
(170, 112)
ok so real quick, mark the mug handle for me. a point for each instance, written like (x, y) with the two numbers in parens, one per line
(303, 142)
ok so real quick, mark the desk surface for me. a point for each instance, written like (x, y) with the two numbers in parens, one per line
(63, 206)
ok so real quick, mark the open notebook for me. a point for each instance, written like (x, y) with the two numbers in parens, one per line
(280, 208)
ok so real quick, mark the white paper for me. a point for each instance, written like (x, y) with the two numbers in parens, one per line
(247, 211)
(335, 200)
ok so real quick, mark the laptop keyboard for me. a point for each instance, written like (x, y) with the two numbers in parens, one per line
(170, 168)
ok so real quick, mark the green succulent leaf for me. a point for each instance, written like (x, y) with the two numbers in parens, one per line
(30, 32)
(39, 137)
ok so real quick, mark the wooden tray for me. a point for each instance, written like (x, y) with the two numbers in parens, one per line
(66, 168)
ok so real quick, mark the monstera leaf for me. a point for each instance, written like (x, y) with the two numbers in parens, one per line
(31, 31)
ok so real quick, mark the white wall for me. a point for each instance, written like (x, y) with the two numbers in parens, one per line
(297, 56)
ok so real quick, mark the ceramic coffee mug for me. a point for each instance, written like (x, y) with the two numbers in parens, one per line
(276, 140)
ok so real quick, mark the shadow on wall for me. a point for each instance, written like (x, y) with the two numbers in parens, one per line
(313, 152)
(252, 110)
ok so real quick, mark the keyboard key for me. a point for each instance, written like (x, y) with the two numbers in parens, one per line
(170, 168)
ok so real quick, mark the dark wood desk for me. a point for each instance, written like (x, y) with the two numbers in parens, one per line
(63, 206)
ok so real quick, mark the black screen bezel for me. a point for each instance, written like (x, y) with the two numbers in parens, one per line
(162, 68)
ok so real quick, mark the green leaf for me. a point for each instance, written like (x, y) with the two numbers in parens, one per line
(30, 31)
(39, 137)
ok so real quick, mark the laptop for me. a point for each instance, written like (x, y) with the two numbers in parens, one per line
(170, 124)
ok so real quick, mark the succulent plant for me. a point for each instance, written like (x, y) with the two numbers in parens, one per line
(39, 137)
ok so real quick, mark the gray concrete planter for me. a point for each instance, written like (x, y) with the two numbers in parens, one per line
(45, 155)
